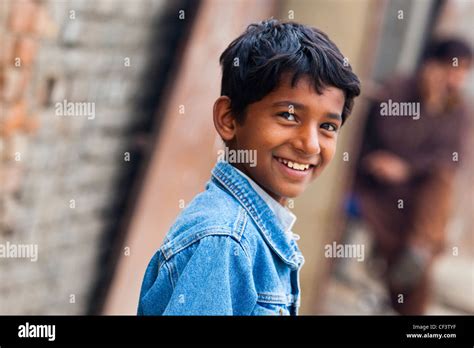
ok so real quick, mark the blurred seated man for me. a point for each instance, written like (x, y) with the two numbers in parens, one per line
(404, 181)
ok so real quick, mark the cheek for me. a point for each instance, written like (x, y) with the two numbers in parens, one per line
(261, 134)
(269, 138)
(248, 139)
(328, 149)
(455, 79)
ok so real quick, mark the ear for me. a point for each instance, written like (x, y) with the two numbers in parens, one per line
(224, 121)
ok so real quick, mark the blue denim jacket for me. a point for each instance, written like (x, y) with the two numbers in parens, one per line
(226, 254)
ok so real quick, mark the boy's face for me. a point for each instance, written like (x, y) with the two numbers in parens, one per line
(290, 125)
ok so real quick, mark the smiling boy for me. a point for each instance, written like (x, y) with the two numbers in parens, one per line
(286, 91)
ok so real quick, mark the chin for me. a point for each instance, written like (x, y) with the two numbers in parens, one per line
(291, 192)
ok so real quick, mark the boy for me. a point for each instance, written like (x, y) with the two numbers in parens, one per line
(286, 91)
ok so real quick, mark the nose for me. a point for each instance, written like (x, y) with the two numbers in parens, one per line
(307, 140)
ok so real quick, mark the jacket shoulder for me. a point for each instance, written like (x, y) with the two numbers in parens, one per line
(212, 212)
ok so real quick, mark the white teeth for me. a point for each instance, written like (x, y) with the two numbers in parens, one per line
(294, 165)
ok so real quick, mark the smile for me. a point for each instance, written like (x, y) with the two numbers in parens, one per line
(294, 165)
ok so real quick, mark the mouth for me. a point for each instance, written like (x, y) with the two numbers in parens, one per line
(293, 169)
(302, 167)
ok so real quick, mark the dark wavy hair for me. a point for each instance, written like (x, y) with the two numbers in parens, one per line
(253, 64)
(444, 50)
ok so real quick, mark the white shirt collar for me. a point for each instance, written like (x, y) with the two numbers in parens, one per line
(283, 214)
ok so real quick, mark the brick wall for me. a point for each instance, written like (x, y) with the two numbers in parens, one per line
(65, 179)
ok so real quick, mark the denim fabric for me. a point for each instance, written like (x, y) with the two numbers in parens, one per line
(226, 254)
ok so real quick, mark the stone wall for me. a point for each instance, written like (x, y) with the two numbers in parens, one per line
(65, 173)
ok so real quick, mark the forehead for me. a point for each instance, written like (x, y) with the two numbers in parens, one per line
(330, 100)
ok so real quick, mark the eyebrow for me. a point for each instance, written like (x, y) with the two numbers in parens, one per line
(300, 106)
(336, 117)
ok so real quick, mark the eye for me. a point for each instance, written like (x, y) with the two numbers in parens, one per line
(288, 116)
(329, 126)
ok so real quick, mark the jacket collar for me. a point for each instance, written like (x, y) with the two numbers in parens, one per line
(285, 217)
(259, 211)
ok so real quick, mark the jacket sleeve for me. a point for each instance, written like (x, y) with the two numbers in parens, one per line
(216, 280)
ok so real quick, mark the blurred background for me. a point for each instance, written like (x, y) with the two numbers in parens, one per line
(96, 192)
